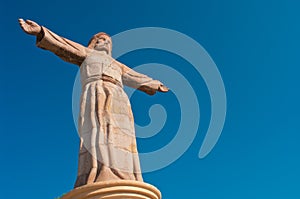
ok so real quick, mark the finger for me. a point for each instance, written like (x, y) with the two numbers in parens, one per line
(30, 22)
(164, 89)
(23, 25)
(21, 21)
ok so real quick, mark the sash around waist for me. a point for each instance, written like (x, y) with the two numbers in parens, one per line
(102, 77)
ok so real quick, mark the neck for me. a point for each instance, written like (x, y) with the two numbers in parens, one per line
(103, 51)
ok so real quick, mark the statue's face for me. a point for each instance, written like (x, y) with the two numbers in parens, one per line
(103, 43)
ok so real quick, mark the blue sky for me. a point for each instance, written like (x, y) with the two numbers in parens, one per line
(255, 46)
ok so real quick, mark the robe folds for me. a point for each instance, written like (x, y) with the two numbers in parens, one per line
(108, 149)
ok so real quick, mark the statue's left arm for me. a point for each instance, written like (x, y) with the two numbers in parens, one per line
(141, 82)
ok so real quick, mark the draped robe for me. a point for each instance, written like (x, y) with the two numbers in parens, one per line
(108, 148)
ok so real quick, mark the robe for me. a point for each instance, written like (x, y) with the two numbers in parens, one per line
(108, 149)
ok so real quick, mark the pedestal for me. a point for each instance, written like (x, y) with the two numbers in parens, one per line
(121, 189)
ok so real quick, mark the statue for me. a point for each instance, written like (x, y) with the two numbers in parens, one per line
(108, 148)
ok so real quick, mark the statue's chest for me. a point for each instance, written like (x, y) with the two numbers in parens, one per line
(98, 64)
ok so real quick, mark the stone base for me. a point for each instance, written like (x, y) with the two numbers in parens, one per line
(121, 189)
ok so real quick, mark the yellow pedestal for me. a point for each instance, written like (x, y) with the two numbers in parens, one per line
(121, 189)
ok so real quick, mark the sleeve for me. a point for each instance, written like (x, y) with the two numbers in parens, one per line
(139, 81)
(66, 49)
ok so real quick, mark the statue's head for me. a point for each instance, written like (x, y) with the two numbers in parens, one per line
(102, 42)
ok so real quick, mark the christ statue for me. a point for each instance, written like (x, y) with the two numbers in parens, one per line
(108, 149)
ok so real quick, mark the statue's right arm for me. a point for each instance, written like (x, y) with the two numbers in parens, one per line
(66, 49)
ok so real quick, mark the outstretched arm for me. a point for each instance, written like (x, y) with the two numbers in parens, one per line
(66, 49)
(141, 82)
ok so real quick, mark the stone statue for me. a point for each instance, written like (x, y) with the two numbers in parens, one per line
(108, 148)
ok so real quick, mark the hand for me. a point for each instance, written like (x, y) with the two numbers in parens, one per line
(30, 27)
(163, 88)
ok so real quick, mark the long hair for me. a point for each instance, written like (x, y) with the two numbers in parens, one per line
(94, 39)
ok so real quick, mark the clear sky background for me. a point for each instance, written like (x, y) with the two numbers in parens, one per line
(255, 45)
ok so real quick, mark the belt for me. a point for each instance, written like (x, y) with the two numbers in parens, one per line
(104, 78)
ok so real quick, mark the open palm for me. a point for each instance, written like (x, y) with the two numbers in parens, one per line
(30, 27)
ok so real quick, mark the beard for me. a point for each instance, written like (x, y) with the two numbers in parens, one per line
(102, 48)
